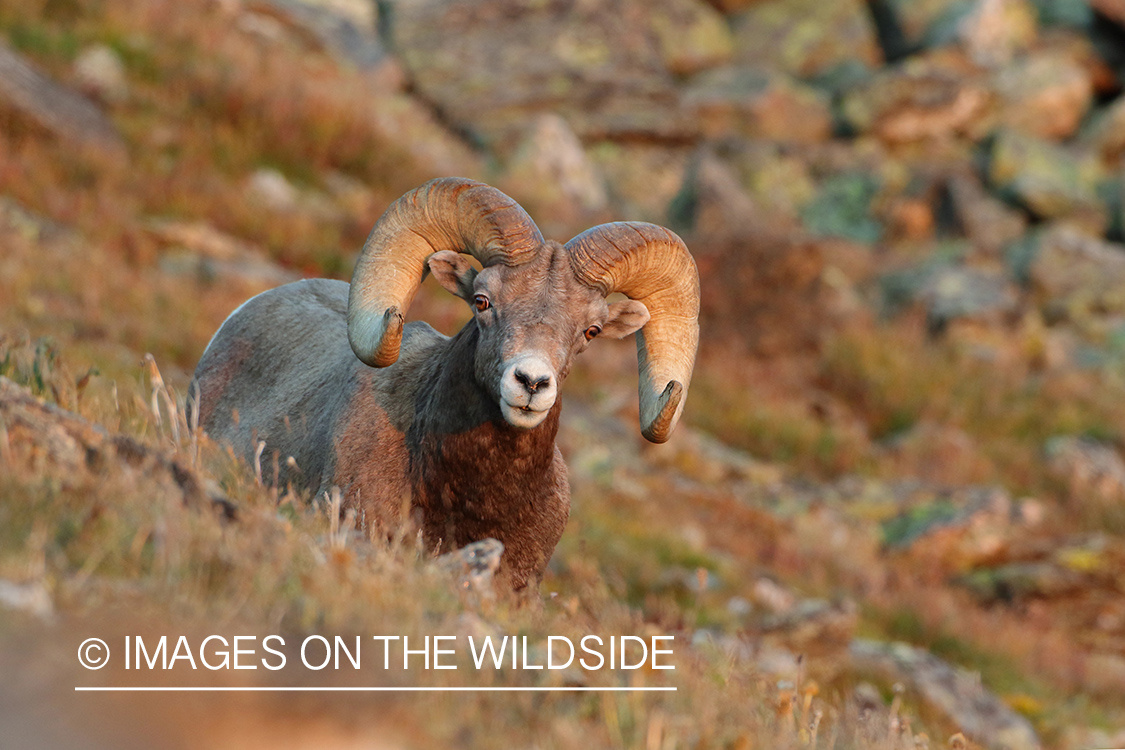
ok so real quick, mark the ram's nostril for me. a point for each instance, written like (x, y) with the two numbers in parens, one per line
(531, 383)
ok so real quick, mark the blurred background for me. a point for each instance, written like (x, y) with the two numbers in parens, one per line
(894, 513)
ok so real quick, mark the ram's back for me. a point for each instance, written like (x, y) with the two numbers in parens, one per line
(280, 370)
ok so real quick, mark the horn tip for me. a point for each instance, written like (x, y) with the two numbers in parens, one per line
(379, 344)
(660, 427)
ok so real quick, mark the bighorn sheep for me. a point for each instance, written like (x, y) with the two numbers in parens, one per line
(463, 426)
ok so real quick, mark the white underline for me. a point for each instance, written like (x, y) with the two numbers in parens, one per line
(296, 689)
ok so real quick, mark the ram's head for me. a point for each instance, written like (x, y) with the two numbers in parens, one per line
(536, 303)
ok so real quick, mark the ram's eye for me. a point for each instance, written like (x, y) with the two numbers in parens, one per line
(592, 331)
(481, 303)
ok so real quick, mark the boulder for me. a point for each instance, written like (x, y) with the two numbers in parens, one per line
(99, 72)
(552, 176)
(950, 691)
(806, 38)
(993, 32)
(1092, 471)
(691, 35)
(958, 292)
(491, 67)
(1114, 10)
(1051, 181)
(643, 178)
(920, 99)
(61, 111)
(712, 202)
(1078, 278)
(842, 208)
(1107, 131)
(1046, 95)
(987, 222)
(755, 103)
(777, 180)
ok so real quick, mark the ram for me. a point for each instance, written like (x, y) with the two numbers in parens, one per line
(464, 426)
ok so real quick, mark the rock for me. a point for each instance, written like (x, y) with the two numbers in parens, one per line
(691, 36)
(643, 178)
(474, 565)
(42, 438)
(427, 143)
(345, 29)
(952, 532)
(919, 99)
(842, 208)
(987, 222)
(1018, 582)
(956, 292)
(806, 37)
(491, 67)
(1093, 472)
(908, 26)
(59, 110)
(99, 72)
(1072, 13)
(818, 629)
(1050, 181)
(1107, 131)
(712, 202)
(954, 693)
(32, 598)
(1114, 10)
(272, 189)
(995, 31)
(551, 174)
(754, 103)
(1077, 278)
(1046, 95)
(198, 249)
(777, 180)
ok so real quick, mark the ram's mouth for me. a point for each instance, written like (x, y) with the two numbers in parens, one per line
(523, 415)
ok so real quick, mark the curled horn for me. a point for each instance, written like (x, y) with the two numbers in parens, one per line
(650, 264)
(446, 214)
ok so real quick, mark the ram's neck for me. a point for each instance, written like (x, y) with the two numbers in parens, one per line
(472, 472)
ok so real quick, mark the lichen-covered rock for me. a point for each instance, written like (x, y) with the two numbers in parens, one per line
(1107, 131)
(957, 292)
(991, 31)
(806, 37)
(778, 181)
(712, 202)
(643, 178)
(842, 208)
(492, 67)
(1078, 278)
(1052, 182)
(749, 102)
(551, 173)
(920, 99)
(691, 35)
(987, 222)
(1093, 472)
(950, 691)
(995, 31)
(1046, 95)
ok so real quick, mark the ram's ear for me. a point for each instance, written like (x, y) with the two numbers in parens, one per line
(625, 317)
(454, 272)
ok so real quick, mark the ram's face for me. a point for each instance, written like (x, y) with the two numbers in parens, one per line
(533, 319)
